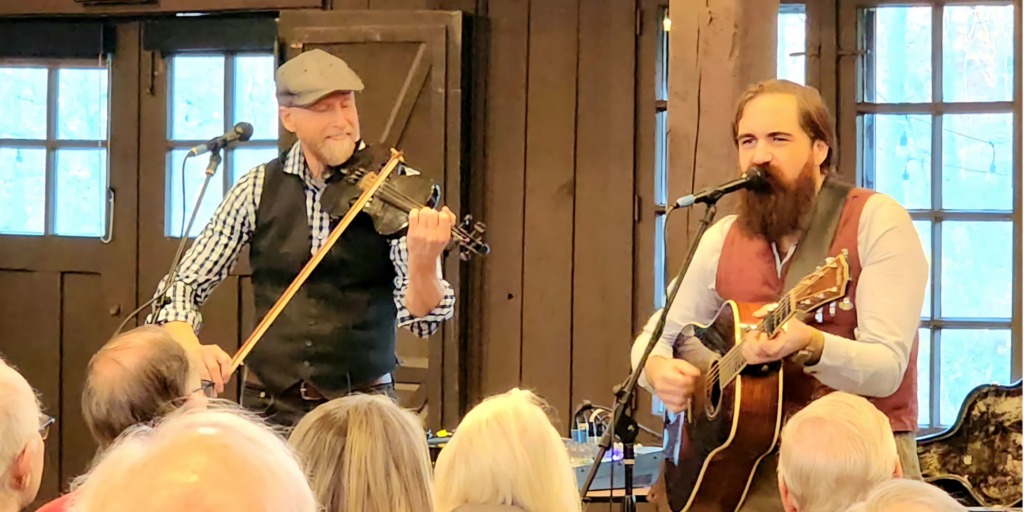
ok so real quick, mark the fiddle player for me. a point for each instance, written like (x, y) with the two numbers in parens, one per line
(869, 349)
(337, 335)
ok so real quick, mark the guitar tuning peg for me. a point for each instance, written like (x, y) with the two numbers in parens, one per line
(819, 317)
(846, 252)
(845, 304)
(818, 267)
(832, 309)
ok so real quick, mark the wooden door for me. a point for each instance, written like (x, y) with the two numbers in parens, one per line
(62, 297)
(411, 66)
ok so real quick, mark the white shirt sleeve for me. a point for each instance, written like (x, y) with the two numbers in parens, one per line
(890, 293)
(696, 301)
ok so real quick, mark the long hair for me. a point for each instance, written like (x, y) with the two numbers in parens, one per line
(364, 453)
(506, 452)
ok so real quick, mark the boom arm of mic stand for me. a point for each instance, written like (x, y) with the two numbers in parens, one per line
(626, 395)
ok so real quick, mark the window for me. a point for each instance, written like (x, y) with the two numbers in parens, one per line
(209, 94)
(791, 60)
(661, 160)
(53, 148)
(935, 131)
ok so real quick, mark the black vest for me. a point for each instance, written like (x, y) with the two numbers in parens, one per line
(339, 329)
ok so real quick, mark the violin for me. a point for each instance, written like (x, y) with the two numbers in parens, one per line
(397, 196)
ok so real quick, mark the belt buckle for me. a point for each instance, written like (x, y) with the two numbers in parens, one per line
(303, 392)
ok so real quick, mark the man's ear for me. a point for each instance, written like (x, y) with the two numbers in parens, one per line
(788, 502)
(820, 152)
(21, 470)
(286, 118)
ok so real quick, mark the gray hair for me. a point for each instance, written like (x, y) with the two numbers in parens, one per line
(200, 458)
(895, 495)
(19, 417)
(834, 451)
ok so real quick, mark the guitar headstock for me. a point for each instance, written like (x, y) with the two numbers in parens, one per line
(825, 285)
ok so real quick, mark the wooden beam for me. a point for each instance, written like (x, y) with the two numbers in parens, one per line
(716, 51)
(73, 7)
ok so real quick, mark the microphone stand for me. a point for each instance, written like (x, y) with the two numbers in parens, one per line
(164, 299)
(623, 424)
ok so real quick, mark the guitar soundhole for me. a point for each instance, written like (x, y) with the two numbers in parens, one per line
(712, 392)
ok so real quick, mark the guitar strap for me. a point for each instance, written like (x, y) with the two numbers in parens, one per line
(813, 248)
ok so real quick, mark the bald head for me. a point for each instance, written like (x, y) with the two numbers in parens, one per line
(134, 378)
(198, 460)
(21, 446)
(833, 452)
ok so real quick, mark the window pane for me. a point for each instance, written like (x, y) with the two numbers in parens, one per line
(255, 95)
(902, 60)
(897, 157)
(977, 53)
(81, 192)
(195, 173)
(660, 281)
(971, 358)
(82, 104)
(977, 162)
(22, 191)
(661, 158)
(197, 97)
(977, 263)
(792, 39)
(924, 230)
(924, 377)
(23, 103)
(244, 159)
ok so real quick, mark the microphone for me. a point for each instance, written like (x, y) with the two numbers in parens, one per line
(755, 178)
(241, 131)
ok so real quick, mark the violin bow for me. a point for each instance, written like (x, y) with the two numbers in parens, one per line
(261, 329)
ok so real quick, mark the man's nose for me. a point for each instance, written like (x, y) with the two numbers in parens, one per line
(339, 116)
(761, 154)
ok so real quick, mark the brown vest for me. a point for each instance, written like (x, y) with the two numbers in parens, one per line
(746, 274)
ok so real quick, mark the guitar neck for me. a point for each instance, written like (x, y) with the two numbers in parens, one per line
(733, 362)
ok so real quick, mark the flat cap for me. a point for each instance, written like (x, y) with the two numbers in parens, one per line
(312, 75)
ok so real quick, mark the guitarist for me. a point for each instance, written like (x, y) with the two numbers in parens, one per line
(787, 130)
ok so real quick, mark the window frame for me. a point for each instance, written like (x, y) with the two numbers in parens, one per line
(852, 66)
(224, 170)
(52, 144)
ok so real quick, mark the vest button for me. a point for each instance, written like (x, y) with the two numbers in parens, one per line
(305, 364)
(309, 343)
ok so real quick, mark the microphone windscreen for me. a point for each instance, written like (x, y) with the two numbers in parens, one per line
(244, 131)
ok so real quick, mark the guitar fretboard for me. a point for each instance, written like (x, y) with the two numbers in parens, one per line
(733, 362)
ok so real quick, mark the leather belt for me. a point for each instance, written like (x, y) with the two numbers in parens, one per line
(307, 391)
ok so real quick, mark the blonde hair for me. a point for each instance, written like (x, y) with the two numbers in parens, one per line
(506, 452)
(834, 451)
(220, 458)
(365, 453)
(895, 495)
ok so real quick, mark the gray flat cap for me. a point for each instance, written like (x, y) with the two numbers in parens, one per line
(312, 75)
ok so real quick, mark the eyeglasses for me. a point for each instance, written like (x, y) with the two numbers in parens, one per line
(207, 389)
(44, 426)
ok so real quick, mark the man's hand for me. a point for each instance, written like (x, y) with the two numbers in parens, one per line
(213, 363)
(758, 348)
(429, 233)
(673, 381)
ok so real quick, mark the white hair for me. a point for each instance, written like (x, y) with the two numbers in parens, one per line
(834, 451)
(896, 495)
(506, 452)
(221, 458)
(19, 418)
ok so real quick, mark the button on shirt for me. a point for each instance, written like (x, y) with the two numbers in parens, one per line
(214, 253)
(890, 293)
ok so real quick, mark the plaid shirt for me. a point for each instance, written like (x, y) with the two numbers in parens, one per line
(215, 252)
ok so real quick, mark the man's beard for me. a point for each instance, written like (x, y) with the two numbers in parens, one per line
(781, 208)
(334, 152)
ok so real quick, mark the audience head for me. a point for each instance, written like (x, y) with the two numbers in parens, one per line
(907, 496)
(220, 459)
(833, 452)
(21, 443)
(364, 453)
(506, 452)
(135, 378)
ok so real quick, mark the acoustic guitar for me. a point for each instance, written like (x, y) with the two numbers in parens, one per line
(978, 459)
(713, 448)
